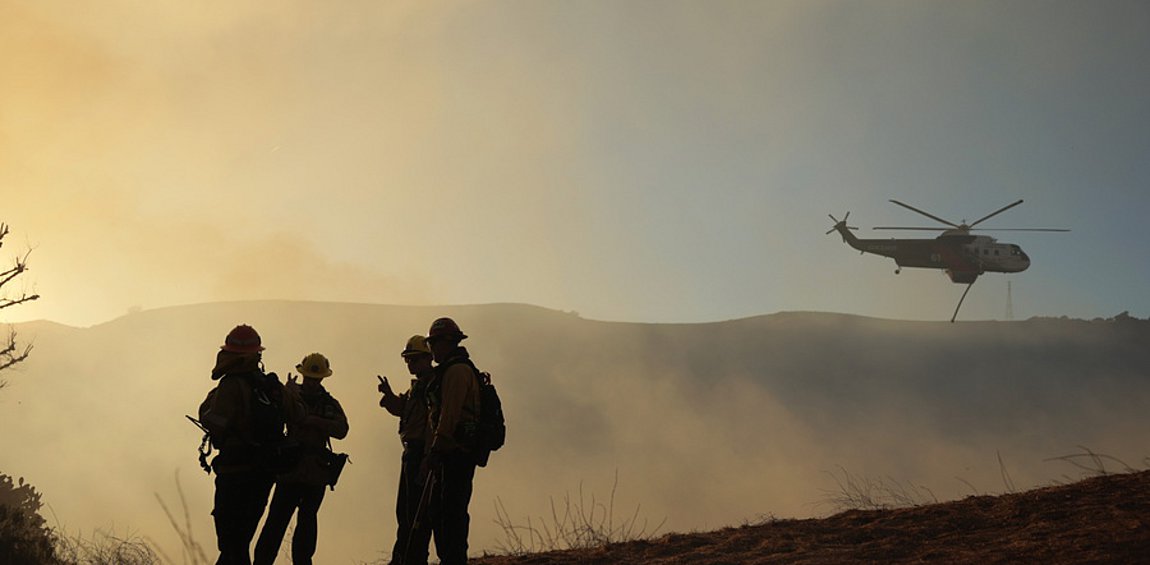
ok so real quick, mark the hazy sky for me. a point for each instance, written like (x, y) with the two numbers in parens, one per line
(645, 161)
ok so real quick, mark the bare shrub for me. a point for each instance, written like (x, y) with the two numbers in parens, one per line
(105, 548)
(579, 522)
(865, 493)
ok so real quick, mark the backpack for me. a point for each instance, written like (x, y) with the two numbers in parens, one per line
(491, 430)
(267, 446)
(265, 412)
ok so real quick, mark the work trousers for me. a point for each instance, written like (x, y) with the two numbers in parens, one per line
(413, 534)
(239, 503)
(451, 494)
(287, 499)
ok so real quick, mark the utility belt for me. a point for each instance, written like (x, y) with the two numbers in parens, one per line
(275, 458)
(236, 461)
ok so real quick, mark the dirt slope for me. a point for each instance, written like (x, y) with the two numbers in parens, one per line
(1099, 520)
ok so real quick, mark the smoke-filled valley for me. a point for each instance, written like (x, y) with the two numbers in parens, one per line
(706, 425)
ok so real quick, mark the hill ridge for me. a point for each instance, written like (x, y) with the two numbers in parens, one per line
(705, 423)
(1103, 519)
(777, 317)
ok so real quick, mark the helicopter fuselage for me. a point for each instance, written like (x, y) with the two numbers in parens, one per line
(963, 256)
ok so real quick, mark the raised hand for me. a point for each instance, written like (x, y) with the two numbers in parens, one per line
(292, 384)
(384, 387)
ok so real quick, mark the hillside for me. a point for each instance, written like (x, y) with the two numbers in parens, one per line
(1105, 519)
(705, 425)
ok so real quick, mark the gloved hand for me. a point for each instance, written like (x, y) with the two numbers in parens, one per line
(384, 387)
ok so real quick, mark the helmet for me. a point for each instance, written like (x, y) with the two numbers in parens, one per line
(445, 327)
(416, 345)
(242, 339)
(314, 366)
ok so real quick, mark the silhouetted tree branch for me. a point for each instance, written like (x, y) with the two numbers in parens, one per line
(12, 353)
(9, 355)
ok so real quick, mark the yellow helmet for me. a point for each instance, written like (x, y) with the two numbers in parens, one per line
(314, 366)
(416, 345)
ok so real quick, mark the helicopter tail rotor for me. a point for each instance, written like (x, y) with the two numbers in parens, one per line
(840, 223)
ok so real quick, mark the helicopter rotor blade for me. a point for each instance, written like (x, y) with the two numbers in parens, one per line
(995, 213)
(1022, 229)
(900, 228)
(974, 229)
(931, 216)
(837, 227)
(833, 227)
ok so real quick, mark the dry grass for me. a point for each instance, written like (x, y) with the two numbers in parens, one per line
(865, 493)
(105, 548)
(1091, 464)
(191, 551)
(579, 522)
(1098, 520)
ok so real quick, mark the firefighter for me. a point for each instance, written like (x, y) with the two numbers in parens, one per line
(302, 488)
(411, 538)
(453, 412)
(245, 415)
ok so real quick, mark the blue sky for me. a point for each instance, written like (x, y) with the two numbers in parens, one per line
(643, 161)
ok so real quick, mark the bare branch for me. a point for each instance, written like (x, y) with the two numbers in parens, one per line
(14, 359)
(6, 302)
(11, 353)
(9, 357)
(20, 266)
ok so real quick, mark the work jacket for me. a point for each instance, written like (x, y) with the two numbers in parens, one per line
(453, 404)
(411, 407)
(325, 420)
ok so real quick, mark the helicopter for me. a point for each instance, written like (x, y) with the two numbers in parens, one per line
(962, 256)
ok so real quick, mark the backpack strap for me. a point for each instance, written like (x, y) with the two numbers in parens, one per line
(480, 377)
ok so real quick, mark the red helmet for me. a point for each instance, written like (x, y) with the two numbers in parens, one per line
(242, 339)
(445, 327)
